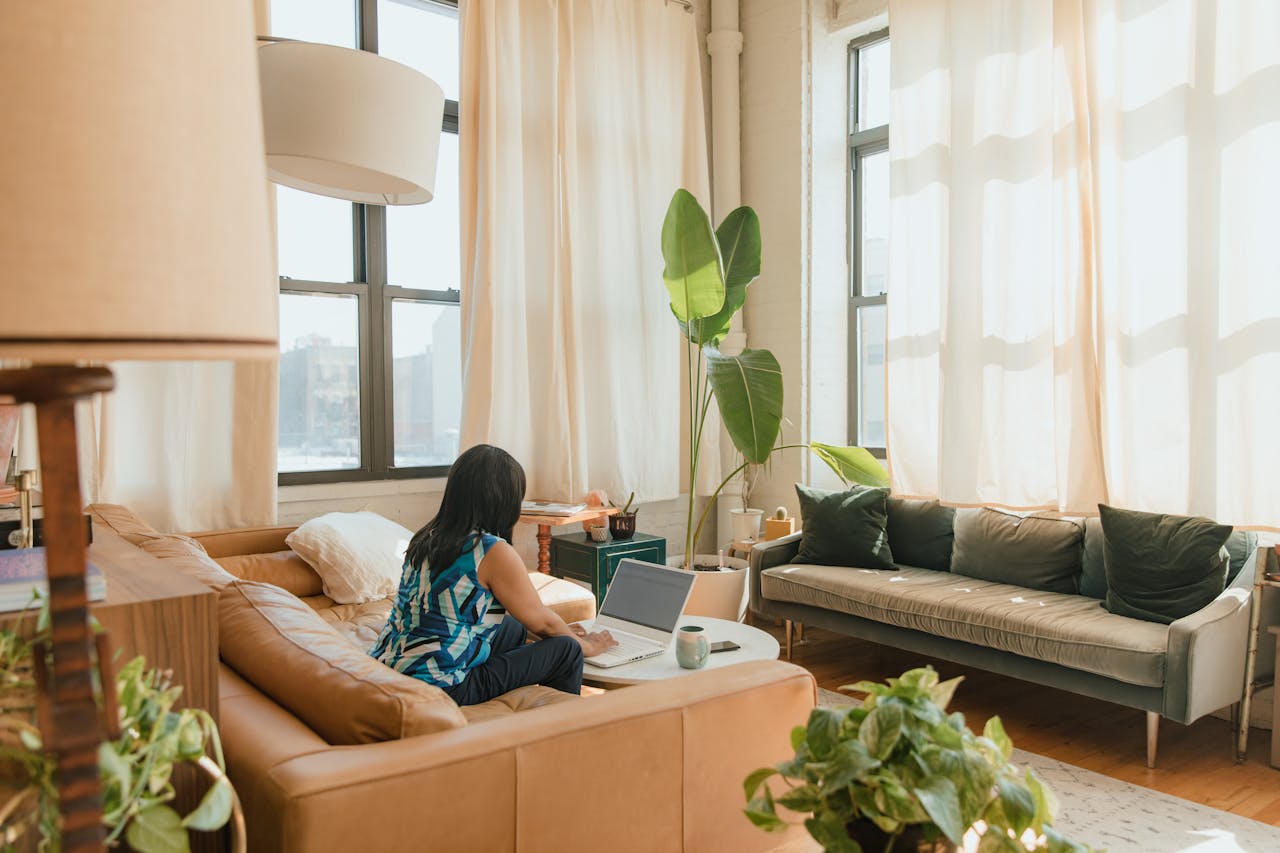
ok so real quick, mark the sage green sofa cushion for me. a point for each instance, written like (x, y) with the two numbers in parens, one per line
(845, 528)
(921, 533)
(1069, 630)
(1029, 551)
(1162, 567)
(1093, 568)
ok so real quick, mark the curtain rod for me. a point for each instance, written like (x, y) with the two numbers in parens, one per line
(688, 6)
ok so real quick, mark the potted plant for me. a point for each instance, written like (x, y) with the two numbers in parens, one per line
(706, 274)
(745, 520)
(135, 768)
(898, 773)
(622, 524)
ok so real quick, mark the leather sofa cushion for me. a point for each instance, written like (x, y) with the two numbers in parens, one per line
(1070, 630)
(1028, 551)
(520, 699)
(122, 520)
(570, 602)
(183, 554)
(287, 651)
(285, 569)
(244, 540)
(360, 624)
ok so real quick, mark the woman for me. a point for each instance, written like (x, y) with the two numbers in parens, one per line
(454, 568)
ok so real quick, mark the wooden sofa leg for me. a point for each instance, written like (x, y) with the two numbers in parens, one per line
(788, 629)
(1153, 735)
(799, 632)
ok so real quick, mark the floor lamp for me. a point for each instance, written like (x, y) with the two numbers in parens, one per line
(133, 225)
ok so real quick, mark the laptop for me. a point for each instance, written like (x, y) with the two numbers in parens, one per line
(640, 610)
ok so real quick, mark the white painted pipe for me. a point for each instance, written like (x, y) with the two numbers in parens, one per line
(724, 44)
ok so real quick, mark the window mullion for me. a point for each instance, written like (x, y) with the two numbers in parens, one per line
(375, 252)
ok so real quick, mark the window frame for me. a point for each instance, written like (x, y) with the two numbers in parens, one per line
(862, 142)
(374, 296)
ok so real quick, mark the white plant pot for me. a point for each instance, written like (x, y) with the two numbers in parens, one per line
(745, 523)
(719, 594)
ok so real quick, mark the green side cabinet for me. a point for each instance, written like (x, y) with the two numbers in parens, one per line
(577, 557)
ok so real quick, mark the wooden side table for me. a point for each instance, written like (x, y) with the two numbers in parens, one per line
(546, 522)
(1263, 580)
(172, 621)
(1275, 707)
(579, 557)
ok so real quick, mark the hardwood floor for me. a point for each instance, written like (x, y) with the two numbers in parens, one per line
(1195, 762)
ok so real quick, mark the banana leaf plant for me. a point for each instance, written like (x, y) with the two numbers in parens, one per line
(707, 273)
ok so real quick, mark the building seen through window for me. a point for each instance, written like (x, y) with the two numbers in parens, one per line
(370, 345)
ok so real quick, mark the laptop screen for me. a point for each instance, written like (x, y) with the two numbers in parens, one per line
(647, 595)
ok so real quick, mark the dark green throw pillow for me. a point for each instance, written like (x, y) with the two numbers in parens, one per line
(844, 528)
(1162, 567)
(921, 533)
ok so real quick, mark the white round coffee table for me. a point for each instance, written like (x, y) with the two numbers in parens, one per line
(756, 645)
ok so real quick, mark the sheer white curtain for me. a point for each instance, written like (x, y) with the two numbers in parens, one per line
(579, 120)
(1084, 303)
(185, 445)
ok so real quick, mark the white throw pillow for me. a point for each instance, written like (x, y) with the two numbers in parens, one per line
(358, 555)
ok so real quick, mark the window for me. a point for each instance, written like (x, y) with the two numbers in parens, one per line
(868, 236)
(370, 343)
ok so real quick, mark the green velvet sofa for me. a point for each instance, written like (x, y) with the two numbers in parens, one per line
(1180, 671)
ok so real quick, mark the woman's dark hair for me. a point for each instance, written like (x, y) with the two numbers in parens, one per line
(483, 493)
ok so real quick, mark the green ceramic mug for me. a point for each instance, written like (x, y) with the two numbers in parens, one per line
(692, 648)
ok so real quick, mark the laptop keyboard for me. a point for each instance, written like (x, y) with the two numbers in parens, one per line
(629, 645)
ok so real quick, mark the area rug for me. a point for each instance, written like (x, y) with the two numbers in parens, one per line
(1123, 818)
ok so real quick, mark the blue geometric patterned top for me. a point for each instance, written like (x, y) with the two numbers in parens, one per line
(436, 630)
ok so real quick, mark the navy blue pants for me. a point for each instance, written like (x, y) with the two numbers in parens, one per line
(554, 661)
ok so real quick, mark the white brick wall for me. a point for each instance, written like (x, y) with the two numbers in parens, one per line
(794, 91)
(772, 181)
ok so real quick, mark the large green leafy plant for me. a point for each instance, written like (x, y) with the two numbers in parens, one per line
(135, 768)
(899, 761)
(707, 273)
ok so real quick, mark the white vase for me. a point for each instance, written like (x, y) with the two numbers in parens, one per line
(719, 594)
(745, 523)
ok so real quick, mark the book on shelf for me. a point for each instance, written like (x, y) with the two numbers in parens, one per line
(22, 575)
(551, 508)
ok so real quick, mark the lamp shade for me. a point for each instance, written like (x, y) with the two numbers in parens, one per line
(133, 193)
(349, 124)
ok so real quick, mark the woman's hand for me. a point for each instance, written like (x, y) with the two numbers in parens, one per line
(596, 643)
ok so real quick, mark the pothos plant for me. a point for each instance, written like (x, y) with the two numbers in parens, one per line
(707, 274)
(901, 762)
(135, 768)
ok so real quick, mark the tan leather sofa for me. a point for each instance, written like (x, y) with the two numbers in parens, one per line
(656, 767)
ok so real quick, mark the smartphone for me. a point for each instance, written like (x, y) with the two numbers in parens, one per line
(724, 646)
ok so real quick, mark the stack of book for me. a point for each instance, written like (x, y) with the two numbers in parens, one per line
(551, 508)
(22, 575)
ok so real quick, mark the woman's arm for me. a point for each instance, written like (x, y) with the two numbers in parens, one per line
(502, 572)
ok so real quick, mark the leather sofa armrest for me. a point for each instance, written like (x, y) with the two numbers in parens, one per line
(1204, 667)
(766, 555)
(652, 767)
